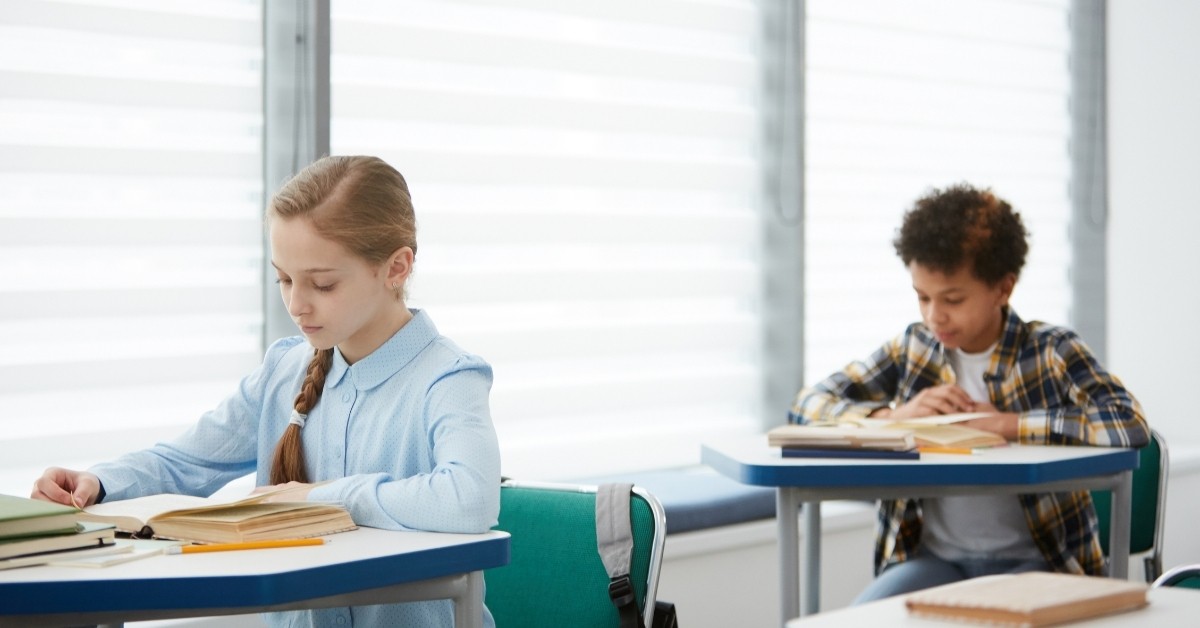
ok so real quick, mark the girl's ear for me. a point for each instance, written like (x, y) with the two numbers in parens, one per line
(399, 267)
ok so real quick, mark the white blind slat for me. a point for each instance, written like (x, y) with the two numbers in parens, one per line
(130, 219)
(905, 96)
(586, 179)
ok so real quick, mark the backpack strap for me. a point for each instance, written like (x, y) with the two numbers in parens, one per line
(614, 541)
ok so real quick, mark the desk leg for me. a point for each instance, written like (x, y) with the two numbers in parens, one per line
(787, 506)
(468, 604)
(1121, 514)
(812, 559)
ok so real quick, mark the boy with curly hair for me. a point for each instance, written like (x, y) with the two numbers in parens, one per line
(1038, 384)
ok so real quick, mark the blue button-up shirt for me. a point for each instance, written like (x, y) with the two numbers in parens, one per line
(403, 437)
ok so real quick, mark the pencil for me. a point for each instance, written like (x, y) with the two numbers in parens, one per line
(945, 450)
(225, 547)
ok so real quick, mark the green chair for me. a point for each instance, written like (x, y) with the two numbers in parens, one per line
(1149, 504)
(556, 577)
(1186, 576)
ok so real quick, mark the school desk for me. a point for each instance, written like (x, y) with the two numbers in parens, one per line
(366, 566)
(1002, 470)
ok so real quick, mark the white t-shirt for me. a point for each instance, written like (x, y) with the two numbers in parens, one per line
(983, 526)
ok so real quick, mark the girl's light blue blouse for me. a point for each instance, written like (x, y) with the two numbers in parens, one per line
(404, 436)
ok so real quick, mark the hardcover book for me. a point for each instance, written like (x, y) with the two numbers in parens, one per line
(1028, 599)
(941, 430)
(840, 437)
(83, 535)
(21, 516)
(205, 520)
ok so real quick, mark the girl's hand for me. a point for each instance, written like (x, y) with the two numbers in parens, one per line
(290, 492)
(944, 399)
(64, 486)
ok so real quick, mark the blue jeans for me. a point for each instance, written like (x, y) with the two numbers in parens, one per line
(927, 570)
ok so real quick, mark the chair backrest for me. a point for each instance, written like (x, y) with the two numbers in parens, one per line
(555, 577)
(1186, 576)
(1149, 505)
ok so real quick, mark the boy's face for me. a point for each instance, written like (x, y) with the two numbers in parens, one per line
(961, 309)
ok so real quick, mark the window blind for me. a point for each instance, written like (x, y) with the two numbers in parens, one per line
(586, 180)
(904, 96)
(130, 231)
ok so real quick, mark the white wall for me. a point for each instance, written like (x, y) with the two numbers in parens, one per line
(729, 576)
(1154, 229)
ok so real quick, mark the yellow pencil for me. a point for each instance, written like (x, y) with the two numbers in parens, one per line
(225, 547)
(945, 450)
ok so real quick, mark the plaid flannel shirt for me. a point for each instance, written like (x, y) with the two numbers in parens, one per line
(1046, 375)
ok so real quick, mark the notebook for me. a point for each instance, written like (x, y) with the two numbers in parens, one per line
(1028, 599)
(21, 516)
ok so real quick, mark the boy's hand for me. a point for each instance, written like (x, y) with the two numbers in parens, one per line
(64, 486)
(944, 399)
(1002, 423)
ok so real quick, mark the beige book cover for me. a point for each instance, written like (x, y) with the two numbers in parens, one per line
(1028, 599)
(840, 436)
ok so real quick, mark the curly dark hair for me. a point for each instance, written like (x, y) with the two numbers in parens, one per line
(960, 225)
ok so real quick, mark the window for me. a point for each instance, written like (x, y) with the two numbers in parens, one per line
(586, 180)
(904, 96)
(130, 230)
(589, 185)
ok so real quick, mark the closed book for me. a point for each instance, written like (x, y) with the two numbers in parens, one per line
(1028, 599)
(884, 454)
(840, 437)
(64, 557)
(21, 516)
(125, 551)
(208, 520)
(87, 535)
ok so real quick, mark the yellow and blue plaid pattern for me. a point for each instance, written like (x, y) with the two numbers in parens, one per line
(1045, 374)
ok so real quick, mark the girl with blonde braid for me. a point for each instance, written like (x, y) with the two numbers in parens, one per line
(371, 407)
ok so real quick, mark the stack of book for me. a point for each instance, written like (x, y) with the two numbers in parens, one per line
(34, 532)
(843, 441)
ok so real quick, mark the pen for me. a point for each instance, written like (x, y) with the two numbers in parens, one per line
(945, 450)
(225, 547)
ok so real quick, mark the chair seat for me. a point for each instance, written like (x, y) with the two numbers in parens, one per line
(700, 498)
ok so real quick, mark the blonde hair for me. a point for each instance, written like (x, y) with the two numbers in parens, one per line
(363, 204)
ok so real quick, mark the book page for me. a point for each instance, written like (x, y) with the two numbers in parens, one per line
(957, 436)
(141, 509)
(937, 419)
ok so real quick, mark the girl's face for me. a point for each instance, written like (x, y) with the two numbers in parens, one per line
(964, 312)
(335, 297)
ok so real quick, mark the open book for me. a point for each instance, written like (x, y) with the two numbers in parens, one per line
(1028, 599)
(205, 520)
(941, 430)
